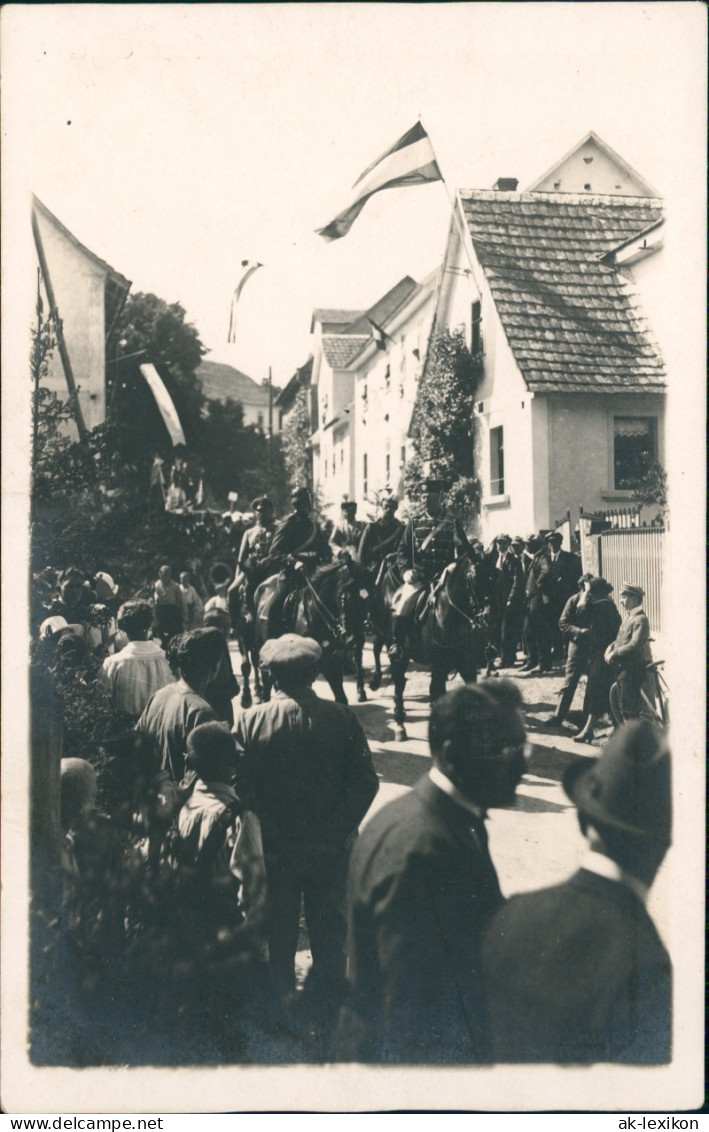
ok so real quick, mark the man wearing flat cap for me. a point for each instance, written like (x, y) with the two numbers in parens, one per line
(304, 767)
(577, 973)
(630, 653)
(428, 544)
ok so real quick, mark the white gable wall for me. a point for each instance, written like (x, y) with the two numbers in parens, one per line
(502, 400)
(79, 285)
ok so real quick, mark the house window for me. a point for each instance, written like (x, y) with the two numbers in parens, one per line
(475, 333)
(497, 461)
(403, 456)
(387, 463)
(342, 454)
(259, 421)
(634, 447)
(364, 475)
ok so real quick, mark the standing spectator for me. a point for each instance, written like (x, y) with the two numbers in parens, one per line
(537, 593)
(305, 769)
(423, 889)
(134, 674)
(215, 833)
(507, 585)
(194, 605)
(603, 629)
(222, 688)
(577, 973)
(630, 653)
(169, 602)
(529, 640)
(178, 708)
(574, 623)
(560, 584)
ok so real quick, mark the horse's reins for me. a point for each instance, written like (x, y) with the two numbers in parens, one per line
(333, 625)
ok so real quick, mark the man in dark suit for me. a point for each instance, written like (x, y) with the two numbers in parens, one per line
(422, 889)
(504, 571)
(577, 973)
(560, 584)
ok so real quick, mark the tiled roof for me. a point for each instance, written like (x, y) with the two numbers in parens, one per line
(333, 319)
(221, 382)
(339, 349)
(574, 324)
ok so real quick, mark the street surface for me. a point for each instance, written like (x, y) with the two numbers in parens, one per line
(534, 844)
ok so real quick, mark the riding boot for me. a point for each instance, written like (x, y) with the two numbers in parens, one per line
(399, 630)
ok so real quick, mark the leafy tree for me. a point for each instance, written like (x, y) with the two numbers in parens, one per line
(236, 456)
(295, 442)
(651, 487)
(443, 428)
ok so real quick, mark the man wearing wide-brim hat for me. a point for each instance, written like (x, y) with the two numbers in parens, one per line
(304, 766)
(577, 973)
(630, 652)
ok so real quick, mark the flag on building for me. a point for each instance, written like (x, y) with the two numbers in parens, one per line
(410, 161)
(248, 267)
(165, 404)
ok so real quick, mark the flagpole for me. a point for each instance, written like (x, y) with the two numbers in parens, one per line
(458, 222)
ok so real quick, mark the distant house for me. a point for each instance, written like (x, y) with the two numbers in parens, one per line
(222, 382)
(365, 368)
(88, 296)
(544, 282)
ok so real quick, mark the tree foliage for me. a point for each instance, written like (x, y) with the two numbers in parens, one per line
(651, 488)
(160, 330)
(443, 424)
(295, 443)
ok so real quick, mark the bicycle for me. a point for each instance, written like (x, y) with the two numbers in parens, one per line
(654, 697)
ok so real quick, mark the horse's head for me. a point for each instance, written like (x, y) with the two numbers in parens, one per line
(462, 588)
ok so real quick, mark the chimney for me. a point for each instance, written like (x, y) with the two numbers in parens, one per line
(505, 184)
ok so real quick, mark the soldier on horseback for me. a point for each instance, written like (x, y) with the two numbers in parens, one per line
(345, 538)
(254, 563)
(429, 544)
(299, 545)
(382, 537)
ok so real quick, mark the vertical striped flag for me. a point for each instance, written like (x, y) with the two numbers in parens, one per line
(248, 267)
(410, 161)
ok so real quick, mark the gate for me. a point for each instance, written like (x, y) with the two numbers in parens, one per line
(635, 555)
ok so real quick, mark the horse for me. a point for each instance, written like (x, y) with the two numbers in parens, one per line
(244, 627)
(446, 634)
(330, 607)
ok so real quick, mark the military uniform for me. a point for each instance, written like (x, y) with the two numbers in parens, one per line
(347, 536)
(379, 539)
(301, 537)
(428, 545)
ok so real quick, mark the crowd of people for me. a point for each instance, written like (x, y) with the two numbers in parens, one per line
(192, 832)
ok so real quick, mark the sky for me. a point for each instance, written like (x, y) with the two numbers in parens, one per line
(176, 141)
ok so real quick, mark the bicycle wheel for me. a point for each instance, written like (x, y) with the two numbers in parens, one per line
(614, 699)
